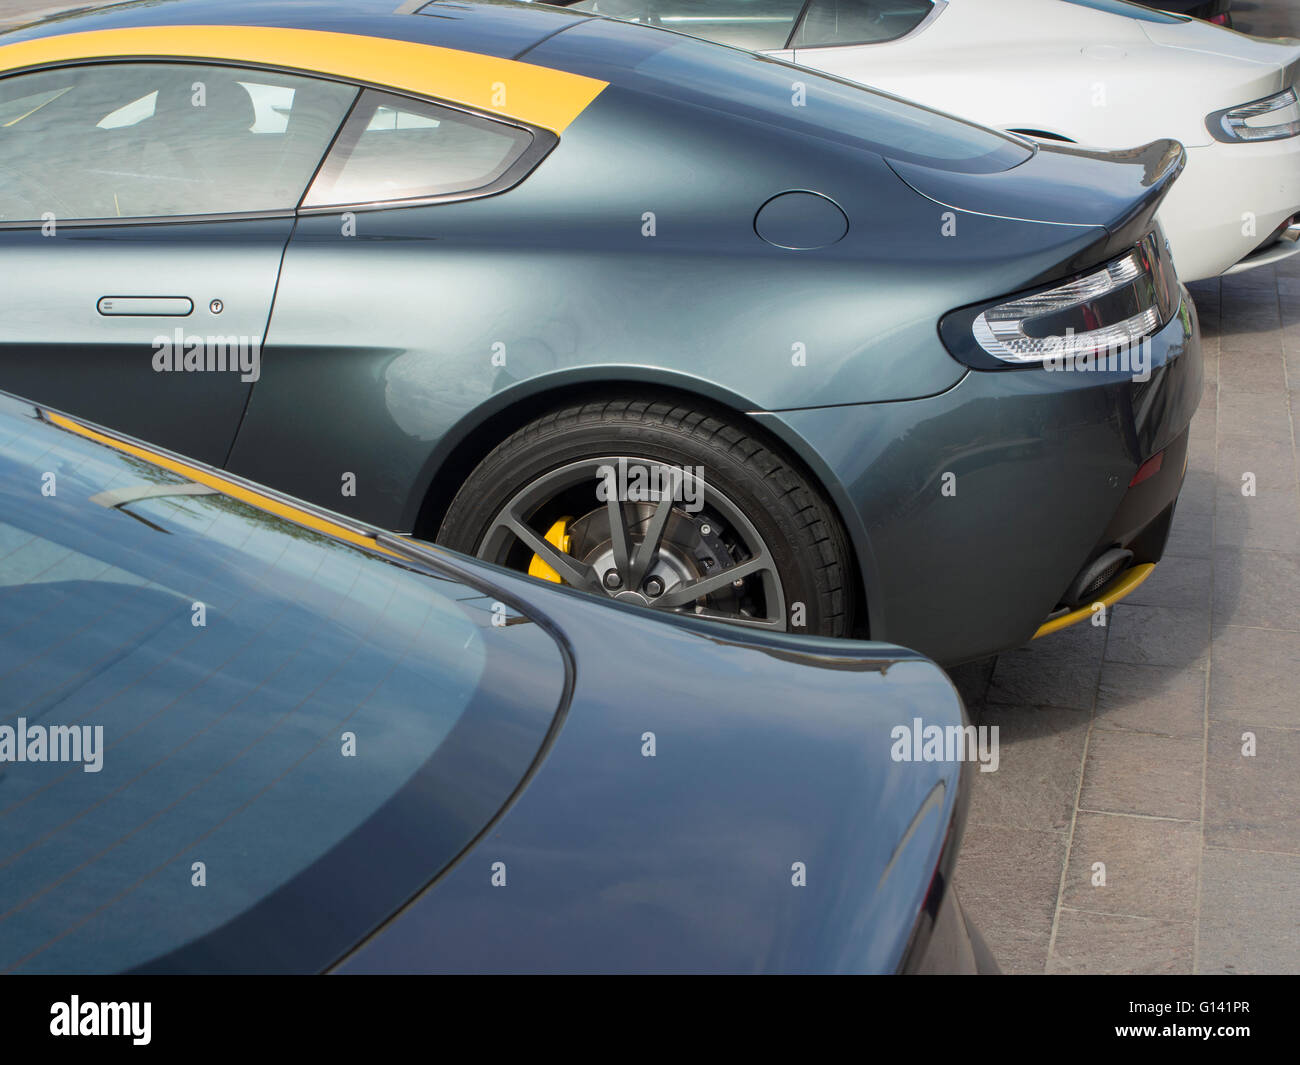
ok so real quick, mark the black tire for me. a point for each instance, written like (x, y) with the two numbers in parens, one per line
(807, 545)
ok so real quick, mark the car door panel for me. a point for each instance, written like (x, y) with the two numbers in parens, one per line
(66, 342)
(144, 212)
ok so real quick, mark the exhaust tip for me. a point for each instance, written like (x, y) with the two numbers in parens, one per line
(1096, 575)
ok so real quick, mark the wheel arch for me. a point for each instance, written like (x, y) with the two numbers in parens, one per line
(470, 440)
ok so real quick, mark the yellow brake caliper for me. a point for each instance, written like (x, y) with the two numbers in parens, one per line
(558, 535)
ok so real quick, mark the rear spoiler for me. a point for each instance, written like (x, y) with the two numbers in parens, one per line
(1063, 184)
(1161, 162)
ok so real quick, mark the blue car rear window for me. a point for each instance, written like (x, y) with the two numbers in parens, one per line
(268, 739)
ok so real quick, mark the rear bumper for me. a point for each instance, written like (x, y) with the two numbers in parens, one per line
(972, 511)
(1140, 527)
(1222, 213)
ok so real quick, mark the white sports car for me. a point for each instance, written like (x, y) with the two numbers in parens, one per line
(1103, 73)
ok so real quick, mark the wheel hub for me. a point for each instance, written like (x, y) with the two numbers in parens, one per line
(690, 549)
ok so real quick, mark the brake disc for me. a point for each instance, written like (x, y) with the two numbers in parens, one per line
(693, 546)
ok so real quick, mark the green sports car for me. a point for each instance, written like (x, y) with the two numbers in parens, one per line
(669, 322)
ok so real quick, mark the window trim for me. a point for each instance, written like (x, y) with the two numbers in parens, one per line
(937, 8)
(798, 21)
(544, 141)
(541, 143)
(152, 220)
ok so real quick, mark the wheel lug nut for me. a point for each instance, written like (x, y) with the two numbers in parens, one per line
(654, 587)
(613, 580)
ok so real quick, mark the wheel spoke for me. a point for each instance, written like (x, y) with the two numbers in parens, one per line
(575, 573)
(648, 550)
(618, 538)
(775, 625)
(692, 590)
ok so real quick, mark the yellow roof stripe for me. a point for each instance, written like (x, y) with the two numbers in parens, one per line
(537, 95)
(227, 487)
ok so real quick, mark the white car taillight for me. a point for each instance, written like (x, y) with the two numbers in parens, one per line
(1269, 119)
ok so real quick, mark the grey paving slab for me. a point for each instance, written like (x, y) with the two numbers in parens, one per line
(1138, 773)
(1059, 670)
(1040, 757)
(1158, 635)
(1200, 490)
(1008, 880)
(1253, 680)
(1249, 919)
(1252, 802)
(1266, 523)
(1256, 588)
(1150, 866)
(1192, 534)
(1254, 465)
(972, 681)
(1260, 371)
(1246, 414)
(1102, 943)
(1178, 581)
(1162, 700)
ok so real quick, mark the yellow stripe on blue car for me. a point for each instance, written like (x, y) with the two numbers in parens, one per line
(235, 490)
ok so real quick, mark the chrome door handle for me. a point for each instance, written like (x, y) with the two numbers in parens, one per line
(146, 306)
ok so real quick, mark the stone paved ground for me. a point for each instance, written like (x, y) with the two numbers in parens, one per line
(1123, 745)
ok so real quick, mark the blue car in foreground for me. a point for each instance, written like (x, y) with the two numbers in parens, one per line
(239, 734)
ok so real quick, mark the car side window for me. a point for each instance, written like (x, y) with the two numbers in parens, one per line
(158, 140)
(757, 25)
(839, 22)
(395, 148)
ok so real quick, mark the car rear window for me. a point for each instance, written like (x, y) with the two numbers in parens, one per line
(267, 739)
(394, 148)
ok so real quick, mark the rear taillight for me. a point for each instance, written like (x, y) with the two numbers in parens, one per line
(1112, 308)
(1273, 118)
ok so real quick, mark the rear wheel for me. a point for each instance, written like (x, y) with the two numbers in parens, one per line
(660, 505)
